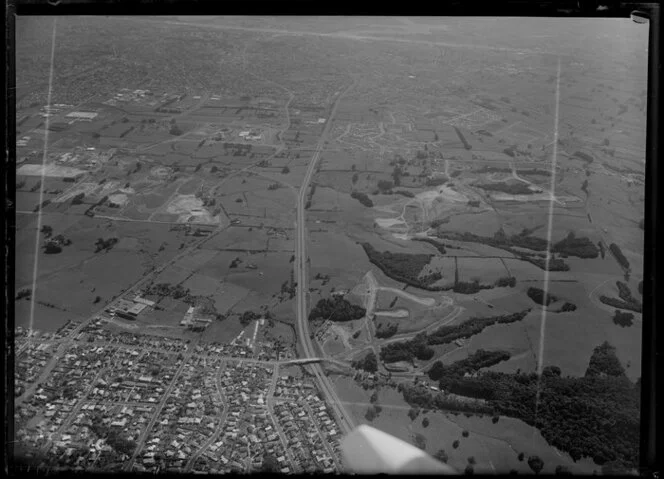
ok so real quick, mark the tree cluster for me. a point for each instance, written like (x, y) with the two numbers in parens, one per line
(421, 397)
(604, 362)
(501, 240)
(535, 171)
(620, 304)
(387, 331)
(336, 309)
(473, 287)
(402, 267)
(626, 295)
(510, 188)
(584, 156)
(407, 350)
(447, 334)
(406, 193)
(249, 316)
(369, 363)
(567, 307)
(540, 297)
(554, 264)
(46, 230)
(478, 360)
(436, 181)
(623, 319)
(597, 415)
(362, 198)
(175, 292)
(618, 254)
(41, 205)
(385, 185)
(24, 293)
(466, 145)
(78, 199)
(579, 247)
(506, 281)
(105, 244)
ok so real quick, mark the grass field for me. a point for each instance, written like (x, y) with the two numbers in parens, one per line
(26, 200)
(222, 331)
(333, 346)
(240, 239)
(172, 275)
(228, 295)
(495, 447)
(45, 318)
(483, 270)
(74, 278)
(280, 331)
(201, 285)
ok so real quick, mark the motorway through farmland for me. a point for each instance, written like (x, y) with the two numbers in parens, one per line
(346, 422)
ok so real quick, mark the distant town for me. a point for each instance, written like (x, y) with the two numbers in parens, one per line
(239, 239)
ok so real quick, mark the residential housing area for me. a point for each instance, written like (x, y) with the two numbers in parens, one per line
(126, 402)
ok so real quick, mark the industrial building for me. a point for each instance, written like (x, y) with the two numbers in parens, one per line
(82, 115)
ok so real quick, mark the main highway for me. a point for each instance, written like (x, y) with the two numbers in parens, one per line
(346, 421)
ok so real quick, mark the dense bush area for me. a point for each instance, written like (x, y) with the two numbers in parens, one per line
(573, 246)
(620, 304)
(466, 145)
(362, 198)
(512, 189)
(618, 254)
(336, 309)
(436, 181)
(78, 199)
(402, 267)
(506, 281)
(584, 156)
(422, 397)
(623, 319)
(248, 316)
(105, 244)
(554, 264)
(604, 362)
(501, 240)
(385, 185)
(568, 307)
(478, 360)
(626, 294)
(596, 415)
(406, 193)
(469, 287)
(447, 334)
(407, 350)
(538, 295)
(369, 363)
(387, 331)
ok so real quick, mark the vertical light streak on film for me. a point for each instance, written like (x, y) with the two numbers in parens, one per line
(41, 186)
(552, 188)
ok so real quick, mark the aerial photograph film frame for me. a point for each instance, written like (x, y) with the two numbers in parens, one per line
(646, 13)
